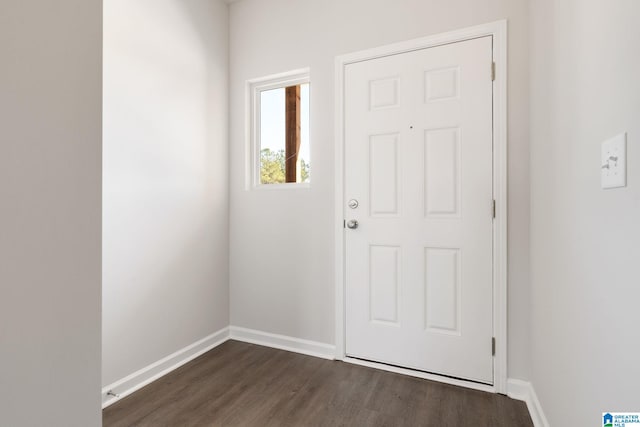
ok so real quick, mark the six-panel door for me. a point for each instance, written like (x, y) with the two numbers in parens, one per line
(418, 159)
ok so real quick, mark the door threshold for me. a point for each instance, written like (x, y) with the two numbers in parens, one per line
(421, 374)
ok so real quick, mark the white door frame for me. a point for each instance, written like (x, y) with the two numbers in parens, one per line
(498, 30)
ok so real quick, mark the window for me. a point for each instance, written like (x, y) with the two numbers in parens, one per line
(280, 131)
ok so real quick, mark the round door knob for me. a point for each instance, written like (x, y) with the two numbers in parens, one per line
(352, 224)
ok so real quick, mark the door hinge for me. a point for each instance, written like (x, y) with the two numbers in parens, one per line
(493, 346)
(493, 71)
(493, 208)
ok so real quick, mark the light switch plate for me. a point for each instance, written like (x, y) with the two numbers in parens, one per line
(614, 162)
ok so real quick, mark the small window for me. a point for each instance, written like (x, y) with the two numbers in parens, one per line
(280, 131)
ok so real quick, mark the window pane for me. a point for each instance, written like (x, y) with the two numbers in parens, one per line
(272, 136)
(275, 160)
(305, 147)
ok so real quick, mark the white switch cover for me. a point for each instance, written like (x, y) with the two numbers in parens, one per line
(614, 162)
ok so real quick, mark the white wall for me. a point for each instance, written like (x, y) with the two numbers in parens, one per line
(282, 241)
(165, 179)
(50, 177)
(585, 242)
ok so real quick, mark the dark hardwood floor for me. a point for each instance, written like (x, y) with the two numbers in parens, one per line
(239, 384)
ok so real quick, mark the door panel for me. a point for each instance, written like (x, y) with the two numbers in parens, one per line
(442, 172)
(442, 290)
(418, 158)
(384, 170)
(384, 283)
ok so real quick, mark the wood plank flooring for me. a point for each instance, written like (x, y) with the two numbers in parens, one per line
(239, 384)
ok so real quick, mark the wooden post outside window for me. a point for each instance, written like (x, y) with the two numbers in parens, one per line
(292, 145)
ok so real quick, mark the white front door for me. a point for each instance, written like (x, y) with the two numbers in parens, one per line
(418, 161)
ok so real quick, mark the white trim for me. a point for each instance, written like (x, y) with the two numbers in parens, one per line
(162, 367)
(498, 30)
(283, 342)
(500, 182)
(420, 374)
(252, 121)
(523, 390)
(339, 214)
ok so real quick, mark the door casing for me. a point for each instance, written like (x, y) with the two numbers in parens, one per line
(498, 30)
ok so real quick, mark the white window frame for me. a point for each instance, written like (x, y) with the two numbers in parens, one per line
(254, 88)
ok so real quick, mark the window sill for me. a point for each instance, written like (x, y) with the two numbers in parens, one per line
(284, 186)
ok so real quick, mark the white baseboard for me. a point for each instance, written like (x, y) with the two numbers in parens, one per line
(523, 390)
(283, 342)
(150, 373)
